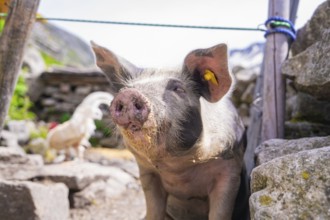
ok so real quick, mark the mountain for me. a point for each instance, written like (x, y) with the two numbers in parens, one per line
(60, 46)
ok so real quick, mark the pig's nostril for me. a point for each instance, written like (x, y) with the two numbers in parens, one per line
(119, 107)
(138, 106)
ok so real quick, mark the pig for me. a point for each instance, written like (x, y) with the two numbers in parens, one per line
(184, 132)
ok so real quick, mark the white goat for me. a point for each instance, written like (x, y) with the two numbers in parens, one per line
(76, 132)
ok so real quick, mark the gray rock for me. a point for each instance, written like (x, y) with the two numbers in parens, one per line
(13, 156)
(114, 141)
(70, 98)
(310, 69)
(95, 192)
(15, 165)
(47, 102)
(313, 30)
(51, 90)
(77, 174)
(296, 186)
(305, 107)
(83, 90)
(64, 47)
(33, 61)
(36, 158)
(129, 206)
(124, 161)
(65, 87)
(37, 146)
(274, 148)
(9, 139)
(29, 201)
(36, 87)
(103, 190)
(19, 172)
(21, 129)
(65, 107)
(294, 130)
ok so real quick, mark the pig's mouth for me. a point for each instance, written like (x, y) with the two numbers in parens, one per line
(133, 127)
(133, 114)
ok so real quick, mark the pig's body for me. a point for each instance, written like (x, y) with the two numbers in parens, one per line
(184, 132)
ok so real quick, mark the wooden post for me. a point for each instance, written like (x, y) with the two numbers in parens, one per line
(19, 22)
(276, 51)
(254, 129)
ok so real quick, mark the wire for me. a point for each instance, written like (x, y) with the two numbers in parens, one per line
(151, 24)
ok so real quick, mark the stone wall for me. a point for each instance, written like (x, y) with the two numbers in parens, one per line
(60, 91)
(308, 106)
(101, 187)
(292, 177)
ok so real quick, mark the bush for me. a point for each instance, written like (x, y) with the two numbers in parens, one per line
(20, 103)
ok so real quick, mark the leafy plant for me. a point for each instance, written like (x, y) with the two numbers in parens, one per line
(20, 103)
(101, 126)
(2, 24)
(64, 117)
(40, 132)
(49, 60)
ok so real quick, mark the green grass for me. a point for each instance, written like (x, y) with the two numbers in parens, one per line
(49, 60)
(20, 104)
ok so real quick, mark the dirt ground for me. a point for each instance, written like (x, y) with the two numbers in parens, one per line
(128, 206)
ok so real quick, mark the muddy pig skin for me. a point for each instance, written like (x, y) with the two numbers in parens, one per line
(184, 133)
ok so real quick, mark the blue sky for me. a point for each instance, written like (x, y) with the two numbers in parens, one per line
(160, 47)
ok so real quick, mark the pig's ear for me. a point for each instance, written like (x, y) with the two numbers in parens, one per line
(209, 68)
(116, 69)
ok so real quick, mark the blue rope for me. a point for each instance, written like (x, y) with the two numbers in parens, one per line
(278, 24)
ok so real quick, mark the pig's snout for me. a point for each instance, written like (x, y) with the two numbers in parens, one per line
(130, 109)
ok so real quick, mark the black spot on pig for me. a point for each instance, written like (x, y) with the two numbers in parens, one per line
(202, 52)
(191, 129)
(183, 114)
(109, 69)
(99, 57)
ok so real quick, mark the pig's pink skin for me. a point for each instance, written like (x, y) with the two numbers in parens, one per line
(130, 109)
(184, 132)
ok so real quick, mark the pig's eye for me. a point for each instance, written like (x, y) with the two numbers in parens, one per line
(176, 86)
(178, 89)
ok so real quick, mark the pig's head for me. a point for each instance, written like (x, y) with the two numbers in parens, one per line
(158, 112)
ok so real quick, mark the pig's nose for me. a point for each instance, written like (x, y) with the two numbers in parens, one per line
(130, 109)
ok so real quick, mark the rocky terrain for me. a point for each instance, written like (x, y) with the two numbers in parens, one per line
(291, 179)
(101, 187)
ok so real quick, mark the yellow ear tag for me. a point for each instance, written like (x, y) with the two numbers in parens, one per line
(209, 76)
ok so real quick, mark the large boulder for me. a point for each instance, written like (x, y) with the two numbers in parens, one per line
(274, 148)
(62, 46)
(313, 30)
(28, 200)
(77, 175)
(16, 165)
(310, 69)
(295, 186)
(304, 107)
(299, 129)
(10, 140)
